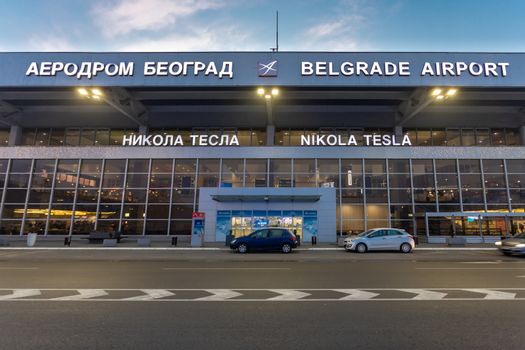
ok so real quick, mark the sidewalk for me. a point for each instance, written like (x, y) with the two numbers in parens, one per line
(78, 243)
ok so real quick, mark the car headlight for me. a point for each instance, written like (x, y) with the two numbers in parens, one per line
(521, 245)
(498, 243)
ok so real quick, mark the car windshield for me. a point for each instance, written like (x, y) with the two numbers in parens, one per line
(362, 234)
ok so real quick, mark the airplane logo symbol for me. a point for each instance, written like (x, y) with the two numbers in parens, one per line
(268, 69)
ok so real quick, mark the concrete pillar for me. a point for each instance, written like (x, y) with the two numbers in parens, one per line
(143, 129)
(398, 131)
(522, 135)
(270, 135)
(15, 135)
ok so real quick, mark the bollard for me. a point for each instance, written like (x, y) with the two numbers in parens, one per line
(67, 241)
(173, 240)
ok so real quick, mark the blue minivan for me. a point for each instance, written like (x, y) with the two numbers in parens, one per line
(266, 239)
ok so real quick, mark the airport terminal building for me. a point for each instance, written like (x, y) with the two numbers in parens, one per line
(323, 143)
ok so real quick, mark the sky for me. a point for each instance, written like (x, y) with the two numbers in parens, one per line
(249, 25)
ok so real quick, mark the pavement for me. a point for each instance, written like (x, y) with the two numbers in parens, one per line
(309, 299)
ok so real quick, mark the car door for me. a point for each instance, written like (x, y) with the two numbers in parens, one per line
(258, 239)
(275, 238)
(376, 240)
(395, 239)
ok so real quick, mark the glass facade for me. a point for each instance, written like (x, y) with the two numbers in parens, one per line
(466, 137)
(158, 196)
(418, 137)
(42, 137)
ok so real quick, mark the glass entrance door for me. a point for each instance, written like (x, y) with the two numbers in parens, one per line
(517, 225)
(243, 222)
(241, 226)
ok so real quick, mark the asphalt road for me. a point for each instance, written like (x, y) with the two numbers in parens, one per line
(218, 300)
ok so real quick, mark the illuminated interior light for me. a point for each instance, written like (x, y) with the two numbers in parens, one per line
(451, 92)
(440, 97)
(96, 97)
(260, 91)
(275, 91)
(267, 97)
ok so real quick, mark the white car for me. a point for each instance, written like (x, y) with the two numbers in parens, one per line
(381, 239)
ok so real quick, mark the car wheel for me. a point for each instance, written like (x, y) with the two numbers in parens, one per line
(406, 248)
(242, 248)
(361, 248)
(507, 253)
(286, 248)
(347, 248)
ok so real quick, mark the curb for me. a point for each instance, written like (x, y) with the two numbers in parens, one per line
(225, 249)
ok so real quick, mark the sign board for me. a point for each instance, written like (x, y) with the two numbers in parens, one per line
(235, 69)
(197, 229)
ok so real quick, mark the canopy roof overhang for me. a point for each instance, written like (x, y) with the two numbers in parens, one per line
(266, 198)
(241, 107)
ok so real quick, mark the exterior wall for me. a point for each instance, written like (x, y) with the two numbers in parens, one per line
(325, 207)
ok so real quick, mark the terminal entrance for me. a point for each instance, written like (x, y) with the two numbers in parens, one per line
(242, 222)
(486, 224)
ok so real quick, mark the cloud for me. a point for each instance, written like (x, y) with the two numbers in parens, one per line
(50, 43)
(343, 31)
(200, 38)
(124, 16)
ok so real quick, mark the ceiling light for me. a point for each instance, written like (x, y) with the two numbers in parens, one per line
(451, 92)
(260, 91)
(440, 97)
(436, 92)
(83, 91)
(96, 92)
(275, 91)
(267, 96)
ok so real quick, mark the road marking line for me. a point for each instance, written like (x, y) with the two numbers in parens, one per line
(287, 294)
(354, 294)
(84, 294)
(482, 262)
(18, 268)
(371, 294)
(151, 294)
(470, 268)
(21, 293)
(493, 294)
(473, 248)
(341, 248)
(219, 295)
(423, 294)
(114, 248)
(223, 249)
(227, 268)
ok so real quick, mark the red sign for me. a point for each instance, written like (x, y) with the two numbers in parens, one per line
(197, 214)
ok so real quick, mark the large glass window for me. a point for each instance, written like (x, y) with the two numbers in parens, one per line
(256, 172)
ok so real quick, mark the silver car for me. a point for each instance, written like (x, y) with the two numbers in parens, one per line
(380, 239)
(514, 245)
